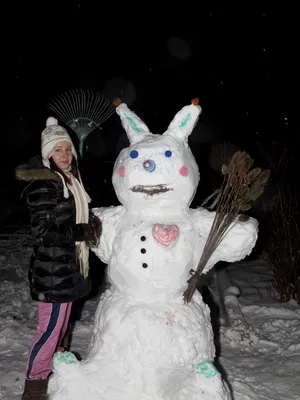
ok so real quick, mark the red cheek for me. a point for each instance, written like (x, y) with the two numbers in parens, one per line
(184, 171)
(122, 171)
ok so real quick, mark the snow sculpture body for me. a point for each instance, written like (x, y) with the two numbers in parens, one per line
(147, 344)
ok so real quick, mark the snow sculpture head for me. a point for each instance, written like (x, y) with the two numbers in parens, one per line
(157, 170)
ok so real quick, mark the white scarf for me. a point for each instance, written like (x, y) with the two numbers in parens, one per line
(82, 217)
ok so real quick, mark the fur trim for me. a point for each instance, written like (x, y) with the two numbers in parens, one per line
(25, 173)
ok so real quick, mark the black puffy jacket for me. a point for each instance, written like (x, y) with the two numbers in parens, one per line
(54, 272)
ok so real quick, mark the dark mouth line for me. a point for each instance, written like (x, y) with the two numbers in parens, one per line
(150, 189)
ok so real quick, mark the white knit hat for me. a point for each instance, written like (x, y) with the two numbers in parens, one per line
(51, 136)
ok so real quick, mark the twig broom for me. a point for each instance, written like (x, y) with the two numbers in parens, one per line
(240, 189)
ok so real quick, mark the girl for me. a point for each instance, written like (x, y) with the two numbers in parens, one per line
(63, 229)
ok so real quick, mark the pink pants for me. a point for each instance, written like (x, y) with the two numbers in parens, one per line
(53, 319)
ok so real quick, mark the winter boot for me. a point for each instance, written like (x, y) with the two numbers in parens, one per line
(35, 389)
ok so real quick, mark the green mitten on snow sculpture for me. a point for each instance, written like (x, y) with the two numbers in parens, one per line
(65, 357)
(207, 369)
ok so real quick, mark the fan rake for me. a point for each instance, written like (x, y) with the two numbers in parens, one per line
(82, 111)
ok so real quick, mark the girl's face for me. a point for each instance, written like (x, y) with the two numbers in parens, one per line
(62, 155)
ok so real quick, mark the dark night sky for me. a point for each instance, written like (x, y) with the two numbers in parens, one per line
(242, 65)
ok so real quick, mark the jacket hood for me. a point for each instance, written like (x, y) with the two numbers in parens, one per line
(26, 173)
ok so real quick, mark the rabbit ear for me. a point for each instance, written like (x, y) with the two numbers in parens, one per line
(184, 121)
(134, 127)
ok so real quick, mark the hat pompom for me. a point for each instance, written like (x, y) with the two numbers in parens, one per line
(51, 121)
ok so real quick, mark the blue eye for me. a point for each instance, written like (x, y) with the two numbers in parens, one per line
(134, 154)
(168, 153)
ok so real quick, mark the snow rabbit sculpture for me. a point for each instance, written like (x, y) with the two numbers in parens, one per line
(147, 344)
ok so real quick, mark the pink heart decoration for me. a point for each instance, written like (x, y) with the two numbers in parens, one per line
(165, 234)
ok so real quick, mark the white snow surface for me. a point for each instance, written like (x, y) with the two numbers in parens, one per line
(260, 350)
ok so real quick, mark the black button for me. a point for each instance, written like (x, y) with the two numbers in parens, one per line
(143, 238)
(145, 265)
(143, 251)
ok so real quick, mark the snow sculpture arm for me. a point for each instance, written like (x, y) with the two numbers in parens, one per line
(237, 243)
(110, 218)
